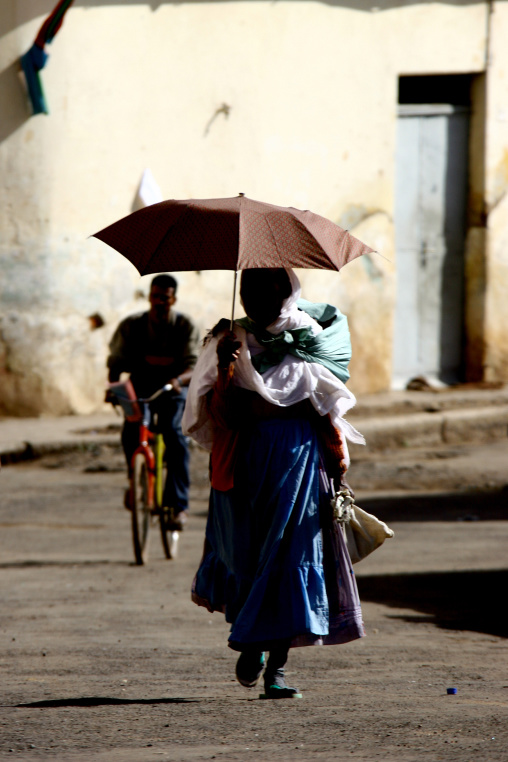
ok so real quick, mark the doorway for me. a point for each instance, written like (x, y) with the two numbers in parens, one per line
(431, 196)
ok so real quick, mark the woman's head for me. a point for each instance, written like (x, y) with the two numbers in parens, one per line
(262, 292)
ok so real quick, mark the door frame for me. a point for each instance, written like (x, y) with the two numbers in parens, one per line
(408, 110)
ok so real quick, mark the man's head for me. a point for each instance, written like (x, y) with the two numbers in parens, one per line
(162, 297)
(262, 292)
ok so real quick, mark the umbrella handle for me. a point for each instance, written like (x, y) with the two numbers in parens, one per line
(234, 297)
(234, 292)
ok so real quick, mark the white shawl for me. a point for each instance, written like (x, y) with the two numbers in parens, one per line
(291, 381)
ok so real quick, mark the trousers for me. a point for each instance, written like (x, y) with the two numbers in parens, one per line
(169, 411)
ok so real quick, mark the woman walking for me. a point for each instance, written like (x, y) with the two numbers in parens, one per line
(268, 400)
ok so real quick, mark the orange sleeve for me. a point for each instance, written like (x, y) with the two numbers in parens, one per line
(332, 448)
(221, 410)
(220, 400)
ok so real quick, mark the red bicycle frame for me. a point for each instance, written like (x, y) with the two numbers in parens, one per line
(145, 436)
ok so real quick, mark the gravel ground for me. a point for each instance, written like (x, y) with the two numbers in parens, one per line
(104, 660)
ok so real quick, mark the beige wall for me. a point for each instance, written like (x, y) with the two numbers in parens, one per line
(312, 94)
(496, 330)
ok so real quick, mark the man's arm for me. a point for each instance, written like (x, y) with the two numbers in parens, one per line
(118, 360)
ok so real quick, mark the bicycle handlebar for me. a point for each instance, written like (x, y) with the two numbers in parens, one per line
(128, 396)
(165, 388)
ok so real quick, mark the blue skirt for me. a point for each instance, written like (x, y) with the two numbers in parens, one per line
(271, 564)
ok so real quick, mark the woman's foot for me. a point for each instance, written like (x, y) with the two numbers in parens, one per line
(276, 688)
(249, 668)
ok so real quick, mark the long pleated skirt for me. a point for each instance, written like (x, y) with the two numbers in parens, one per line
(274, 562)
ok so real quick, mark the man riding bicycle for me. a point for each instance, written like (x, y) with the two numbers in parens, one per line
(159, 347)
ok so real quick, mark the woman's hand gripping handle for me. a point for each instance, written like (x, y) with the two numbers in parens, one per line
(228, 350)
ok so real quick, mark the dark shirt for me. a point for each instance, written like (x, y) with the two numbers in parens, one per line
(153, 353)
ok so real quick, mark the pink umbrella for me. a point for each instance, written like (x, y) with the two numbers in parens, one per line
(229, 234)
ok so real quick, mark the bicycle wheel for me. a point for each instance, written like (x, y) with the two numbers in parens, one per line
(168, 536)
(141, 510)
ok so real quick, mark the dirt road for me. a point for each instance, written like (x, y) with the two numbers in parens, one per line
(102, 660)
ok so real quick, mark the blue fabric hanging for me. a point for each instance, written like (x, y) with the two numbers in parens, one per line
(35, 59)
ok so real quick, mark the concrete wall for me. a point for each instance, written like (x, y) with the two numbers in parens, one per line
(293, 103)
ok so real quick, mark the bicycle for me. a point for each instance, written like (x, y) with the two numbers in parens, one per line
(144, 497)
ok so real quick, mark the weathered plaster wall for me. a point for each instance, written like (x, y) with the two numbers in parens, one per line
(311, 94)
(365, 292)
(496, 334)
(476, 239)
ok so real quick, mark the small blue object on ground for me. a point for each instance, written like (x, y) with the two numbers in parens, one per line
(451, 691)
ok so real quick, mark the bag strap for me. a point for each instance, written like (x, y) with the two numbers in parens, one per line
(342, 506)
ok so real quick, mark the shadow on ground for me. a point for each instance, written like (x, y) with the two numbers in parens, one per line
(70, 562)
(440, 506)
(461, 600)
(100, 701)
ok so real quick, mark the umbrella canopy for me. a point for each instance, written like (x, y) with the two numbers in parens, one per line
(229, 234)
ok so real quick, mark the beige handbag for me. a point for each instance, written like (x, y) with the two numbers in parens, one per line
(363, 531)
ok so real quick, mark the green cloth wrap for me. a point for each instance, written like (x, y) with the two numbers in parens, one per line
(330, 348)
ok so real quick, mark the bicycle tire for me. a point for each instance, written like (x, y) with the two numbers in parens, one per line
(141, 510)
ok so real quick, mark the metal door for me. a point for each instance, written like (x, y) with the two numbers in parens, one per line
(430, 221)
